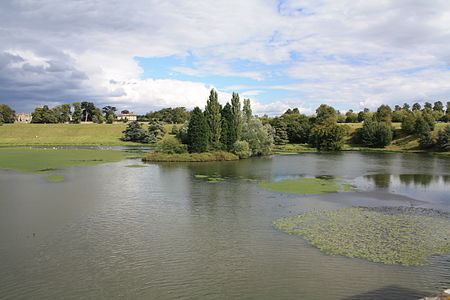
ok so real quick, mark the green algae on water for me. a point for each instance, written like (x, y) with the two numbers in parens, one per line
(389, 235)
(55, 178)
(307, 186)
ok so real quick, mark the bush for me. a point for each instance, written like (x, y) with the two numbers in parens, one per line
(376, 134)
(327, 137)
(443, 140)
(426, 140)
(171, 146)
(242, 149)
(190, 157)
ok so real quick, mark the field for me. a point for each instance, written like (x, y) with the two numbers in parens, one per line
(64, 134)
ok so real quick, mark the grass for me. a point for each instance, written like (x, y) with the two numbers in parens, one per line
(190, 157)
(307, 186)
(64, 134)
(389, 235)
(41, 160)
(55, 178)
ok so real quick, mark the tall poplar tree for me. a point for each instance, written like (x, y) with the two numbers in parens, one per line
(214, 120)
(247, 109)
(228, 136)
(197, 133)
(237, 115)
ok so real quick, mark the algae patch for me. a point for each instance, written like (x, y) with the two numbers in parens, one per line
(55, 178)
(308, 186)
(389, 235)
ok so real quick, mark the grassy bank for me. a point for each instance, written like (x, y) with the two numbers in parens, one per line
(37, 160)
(401, 143)
(64, 134)
(190, 157)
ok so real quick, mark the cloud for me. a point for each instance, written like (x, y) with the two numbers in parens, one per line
(346, 53)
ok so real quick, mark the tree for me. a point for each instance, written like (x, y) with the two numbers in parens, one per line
(421, 126)
(197, 132)
(88, 109)
(376, 134)
(383, 114)
(351, 117)
(7, 114)
(214, 120)
(43, 115)
(228, 136)
(363, 115)
(135, 133)
(416, 106)
(406, 106)
(426, 140)
(76, 116)
(258, 136)
(237, 116)
(247, 110)
(97, 116)
(409, 123)
(62, 113)
(280, 127)
(443, 140)
(109, 111)
(438, 106)
(427, 106)
(156, 131)
(327, 137)
(326, 115)
(298, 127)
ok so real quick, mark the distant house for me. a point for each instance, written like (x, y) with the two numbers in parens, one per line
(23, 118)
(129, 116)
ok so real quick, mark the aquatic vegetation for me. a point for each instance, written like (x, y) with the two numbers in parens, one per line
(307, 186)
(136, 166)
(201, 176)
(55, 178)
(44, 160)
(190, 157)
(389, 235)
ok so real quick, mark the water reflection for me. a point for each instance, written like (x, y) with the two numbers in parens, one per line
(416, 180)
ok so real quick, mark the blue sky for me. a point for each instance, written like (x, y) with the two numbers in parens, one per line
(147, 54)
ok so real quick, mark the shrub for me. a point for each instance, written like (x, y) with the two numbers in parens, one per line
(241, 149)
(443, 140)
(171, 146)
(376, 134)
(327, 137)
(135, 133)
(426, 140)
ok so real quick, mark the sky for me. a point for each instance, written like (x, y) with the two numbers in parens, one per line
(144, 55)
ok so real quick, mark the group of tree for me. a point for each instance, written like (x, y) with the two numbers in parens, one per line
(136, 133)
(7, 114)
(177, 115)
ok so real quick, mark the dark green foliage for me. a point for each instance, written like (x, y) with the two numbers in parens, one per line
(298, 127)
(174, 130)
(43, 115)
(426, 140)
(156, 131)
(421, 126)
(416, 106)
(258, 136)
(198, 132)
(110, 119)
(443, 140)
(383, 114)
(182, 134)
(326, 115)
(62, 113)
(228, 136)
(409, 123)
(428, 116)
(97, 116)
(177, 115)
(438, 106)
(406, 107)
(76, 116)
(7, 114)
(351, 117)
(109, 112)
(247, 110)
(214, 120)
(237, 115)
(427, 106)
(280, 127)
(135, 133)
(327, 137)
(376, 134)
(88, 109)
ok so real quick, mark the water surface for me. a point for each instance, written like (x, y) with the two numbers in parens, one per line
(160, 232)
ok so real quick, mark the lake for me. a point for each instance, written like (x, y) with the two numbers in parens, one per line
(164, 232)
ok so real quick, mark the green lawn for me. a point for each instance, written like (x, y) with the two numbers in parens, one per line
(37, 160)
(64, 134)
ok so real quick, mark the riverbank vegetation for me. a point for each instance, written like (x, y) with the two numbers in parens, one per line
(389, 235)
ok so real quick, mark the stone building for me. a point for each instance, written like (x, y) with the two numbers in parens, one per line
(130, 117)
(23, 118)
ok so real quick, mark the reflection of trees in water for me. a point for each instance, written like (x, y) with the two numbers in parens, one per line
(381, 180)
(424, 180)
(418, 179)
